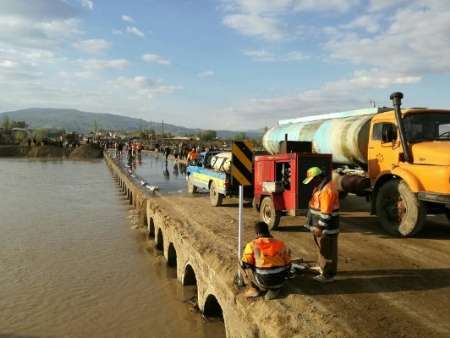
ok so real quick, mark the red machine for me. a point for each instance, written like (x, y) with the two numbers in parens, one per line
(278, 188)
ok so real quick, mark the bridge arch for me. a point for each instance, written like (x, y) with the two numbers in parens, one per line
(189, 277)
(212, 308)
(160, 240)
(171, 256)
(150, 227)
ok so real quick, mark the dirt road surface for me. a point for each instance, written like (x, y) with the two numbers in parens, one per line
(386, 287)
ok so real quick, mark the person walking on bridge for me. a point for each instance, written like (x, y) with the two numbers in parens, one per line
(323, 221)
(267, 261)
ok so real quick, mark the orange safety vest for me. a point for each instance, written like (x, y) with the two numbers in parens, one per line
(324, 206)
(193, 155)
(266, 253)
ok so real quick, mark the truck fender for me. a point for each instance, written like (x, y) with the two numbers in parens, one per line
(411, 180)
(396, 173)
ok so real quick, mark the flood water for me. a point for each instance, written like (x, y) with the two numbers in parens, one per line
(71, 266)
(169, 176)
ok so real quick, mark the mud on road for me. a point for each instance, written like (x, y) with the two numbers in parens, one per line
(386, 287)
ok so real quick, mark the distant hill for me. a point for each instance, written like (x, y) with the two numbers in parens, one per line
(79, 121)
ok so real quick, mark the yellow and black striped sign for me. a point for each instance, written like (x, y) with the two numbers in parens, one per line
(242, 162)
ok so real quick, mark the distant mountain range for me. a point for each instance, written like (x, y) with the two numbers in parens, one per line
(79, 121)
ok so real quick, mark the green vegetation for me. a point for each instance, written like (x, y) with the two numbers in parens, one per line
(208, 135)
(8, 124)
(240, 136)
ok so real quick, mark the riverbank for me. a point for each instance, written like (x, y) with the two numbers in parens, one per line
(83, 152)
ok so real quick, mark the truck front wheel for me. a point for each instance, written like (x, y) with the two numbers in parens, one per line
(268, 214)
(192, 189)
(215, 196)
(399, 211)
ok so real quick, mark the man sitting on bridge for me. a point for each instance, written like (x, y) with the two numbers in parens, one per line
(268, 262)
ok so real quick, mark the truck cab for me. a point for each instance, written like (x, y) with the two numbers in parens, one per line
(406, 188)
(201, 175)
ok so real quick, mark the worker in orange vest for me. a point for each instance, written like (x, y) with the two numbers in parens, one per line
(193, 155)
(267, 261)
(323, 221)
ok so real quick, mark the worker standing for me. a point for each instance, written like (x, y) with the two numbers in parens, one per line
(323, 221)
(193, 155)
(268, 262)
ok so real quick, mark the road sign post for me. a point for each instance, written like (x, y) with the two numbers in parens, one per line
(240, 230)
(242, 174)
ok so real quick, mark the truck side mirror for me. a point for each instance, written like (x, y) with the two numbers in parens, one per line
(389, 133)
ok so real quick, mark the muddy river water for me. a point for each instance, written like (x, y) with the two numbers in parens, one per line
(71, 266)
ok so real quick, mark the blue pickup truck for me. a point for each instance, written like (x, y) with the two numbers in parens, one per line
(201, 175)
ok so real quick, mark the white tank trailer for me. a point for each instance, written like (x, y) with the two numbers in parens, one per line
(345, 135)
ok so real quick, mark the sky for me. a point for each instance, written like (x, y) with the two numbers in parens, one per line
(223, 64)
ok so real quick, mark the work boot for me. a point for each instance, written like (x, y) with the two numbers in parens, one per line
(272, 294)
(251, 292)
(317, 269)
(322, 279)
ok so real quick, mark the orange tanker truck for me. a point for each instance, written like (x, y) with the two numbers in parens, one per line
(400, 158)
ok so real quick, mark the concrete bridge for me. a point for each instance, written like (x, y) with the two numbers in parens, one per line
(405, 295)
(201, 260)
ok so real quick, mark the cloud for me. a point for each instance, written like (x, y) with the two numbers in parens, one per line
(294, 56)
(325, 5)
(134, 30)
(93, 46)
(369, 23)
(416, 41)
(154, 58)
(8, 64)
(41, 10)
(144, 86)
(37, 68)
(378, 5)
(87, 4)
(266, 19)
(206, 73)
(101, 64)
(348, 93)
(45, 24)
(255, 25)
(262, 55)
(127, 18)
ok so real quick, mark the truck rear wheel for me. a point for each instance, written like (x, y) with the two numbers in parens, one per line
(215, 196)
(268, 214)
(191, 188)
(398, 209)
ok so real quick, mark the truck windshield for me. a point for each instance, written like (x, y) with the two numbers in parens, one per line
(427, 127)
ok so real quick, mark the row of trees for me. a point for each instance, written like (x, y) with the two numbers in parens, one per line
(8, 124)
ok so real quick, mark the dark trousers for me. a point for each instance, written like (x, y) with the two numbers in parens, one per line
(328, 254)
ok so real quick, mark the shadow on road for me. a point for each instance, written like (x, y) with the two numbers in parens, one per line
(6, 335)
(435, 227)
(247, 205)
(372, 281)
